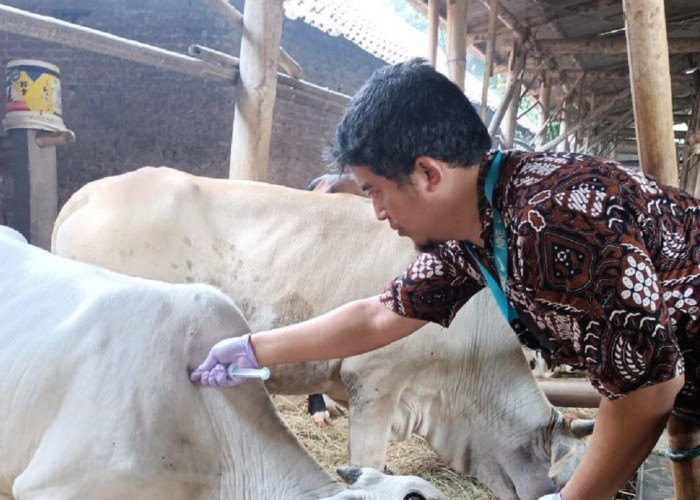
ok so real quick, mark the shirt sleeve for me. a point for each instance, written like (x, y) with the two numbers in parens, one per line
(598, 293)
(435, 286)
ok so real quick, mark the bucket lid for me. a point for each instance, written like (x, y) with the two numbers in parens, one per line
(32, 62)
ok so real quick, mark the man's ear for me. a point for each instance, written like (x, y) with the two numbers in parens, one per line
(429, 172)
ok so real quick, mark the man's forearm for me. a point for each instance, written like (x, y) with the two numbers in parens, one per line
(351, 329)
(626, 431)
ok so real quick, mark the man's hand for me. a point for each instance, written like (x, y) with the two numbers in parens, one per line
(626, 431)
(236, 351)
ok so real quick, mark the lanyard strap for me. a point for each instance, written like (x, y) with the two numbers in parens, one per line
(500, 246)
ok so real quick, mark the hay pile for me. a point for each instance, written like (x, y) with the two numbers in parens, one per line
(329, 447)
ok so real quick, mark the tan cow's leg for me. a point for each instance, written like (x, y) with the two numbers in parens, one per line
(370, 427)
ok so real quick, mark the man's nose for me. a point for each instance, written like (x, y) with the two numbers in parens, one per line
(379, 211)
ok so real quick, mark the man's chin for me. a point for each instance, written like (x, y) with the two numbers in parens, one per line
(425, 247)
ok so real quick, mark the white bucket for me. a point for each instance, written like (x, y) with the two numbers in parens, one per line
(33, 96)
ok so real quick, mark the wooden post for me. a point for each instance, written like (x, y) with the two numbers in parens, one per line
(545, 93)
(433, 30)
(488, 64)
(255, 95)
(684, 435)
(515, 73)
(457, 41)
(587, 137)
(35, 196)
(563, 146)
(497, 117)
(647, 51)
(692, 142)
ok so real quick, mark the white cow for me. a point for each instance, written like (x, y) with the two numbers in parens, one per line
(285, 255)
(96, 401)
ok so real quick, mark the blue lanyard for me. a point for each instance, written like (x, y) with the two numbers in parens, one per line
(500, 246)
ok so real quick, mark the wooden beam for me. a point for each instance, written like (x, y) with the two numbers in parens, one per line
(433, 30)
(290, 66)
(227, 11)
(488, 64)
(255, 96)
(590, 118)
(651, 88)
(510, 21)
(457, 41)
(554, 113)
(621, 121)
(316, 92)
(608, 45)
(235, 18)
(49, 29)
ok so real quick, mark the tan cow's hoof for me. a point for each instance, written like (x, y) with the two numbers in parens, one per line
(322, 418)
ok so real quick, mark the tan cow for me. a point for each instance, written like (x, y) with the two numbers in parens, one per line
(285, 255)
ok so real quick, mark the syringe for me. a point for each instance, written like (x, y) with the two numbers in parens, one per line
(261, 373)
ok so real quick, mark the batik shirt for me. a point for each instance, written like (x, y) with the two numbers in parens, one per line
(604, 267)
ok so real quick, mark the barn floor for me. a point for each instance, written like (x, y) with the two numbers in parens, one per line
(329, 447)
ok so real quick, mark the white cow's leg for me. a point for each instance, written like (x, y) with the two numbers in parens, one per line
(370, 427)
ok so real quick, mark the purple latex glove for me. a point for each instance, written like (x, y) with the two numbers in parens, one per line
(235, 351)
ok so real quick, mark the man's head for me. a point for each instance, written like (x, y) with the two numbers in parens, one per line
(403, 112)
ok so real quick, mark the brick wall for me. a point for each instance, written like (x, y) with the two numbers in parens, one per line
(126, 115)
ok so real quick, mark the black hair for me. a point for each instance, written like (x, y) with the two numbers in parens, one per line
(405, 111)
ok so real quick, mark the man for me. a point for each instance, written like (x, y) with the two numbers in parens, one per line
(588, 260)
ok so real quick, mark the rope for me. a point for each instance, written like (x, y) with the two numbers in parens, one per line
(683, 455)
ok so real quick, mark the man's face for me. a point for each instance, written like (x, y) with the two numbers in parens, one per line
(401, 205)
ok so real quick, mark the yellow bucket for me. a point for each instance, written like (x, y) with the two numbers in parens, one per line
(33, 96)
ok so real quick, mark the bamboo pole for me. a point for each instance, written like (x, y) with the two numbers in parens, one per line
(321, 94)
(692, 163)
(515, 76)
(553, 114)
(488, 64)
(497, 117)
(564, 125)
(590, 118)
(545, 93)
(54, 30)
(235, 18)
(645, 24)
(683, 436)
(457, 41)
(570, 393)
(255, 96)
(613, 44)
(433, 29)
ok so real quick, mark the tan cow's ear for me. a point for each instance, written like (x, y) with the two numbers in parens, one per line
(582, 427)
(349, 473)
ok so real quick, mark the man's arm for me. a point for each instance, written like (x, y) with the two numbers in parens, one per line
(626, 431)
(354, 328)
